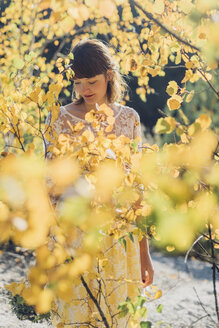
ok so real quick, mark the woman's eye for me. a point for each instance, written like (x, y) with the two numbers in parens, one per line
(77, 83)
(92, 82)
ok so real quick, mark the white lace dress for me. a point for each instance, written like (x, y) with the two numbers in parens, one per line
(121, 264)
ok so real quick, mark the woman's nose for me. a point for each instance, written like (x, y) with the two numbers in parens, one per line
(85, 87)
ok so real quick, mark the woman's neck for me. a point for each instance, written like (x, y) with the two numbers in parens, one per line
(89, 107)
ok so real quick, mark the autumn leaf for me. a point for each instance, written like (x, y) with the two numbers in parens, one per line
(204, 120)
(107, 8)
(170, 248)
(190, 96)
(158, 7)
(165, 125)
(18, 63)
(186, 6)
(172, 88)
(44, 301)
(143, 71)
(110, 120)
(174, 102)
(133, 65)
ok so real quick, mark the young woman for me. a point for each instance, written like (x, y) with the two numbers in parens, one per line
(97, 80)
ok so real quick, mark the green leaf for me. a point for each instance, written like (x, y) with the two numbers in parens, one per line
(145, 324)
(140, 300)
(142, 311)
(123, 312)
(71, 56)
(28, 58)
(165, 125)
(159, 308)
(131, 307)
(162, 126)
(134, 145)
(18, 63)
(124, 243)
(131, 236)
(122, 240)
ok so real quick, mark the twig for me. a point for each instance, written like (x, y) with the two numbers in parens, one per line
(207, 237)
(187, 253)
(214, 273)
(95, 302)
(192, 325)
(200, 302)
(17, 136)
(156, 21)
(204, 76)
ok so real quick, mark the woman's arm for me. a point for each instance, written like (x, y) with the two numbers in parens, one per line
(147, 271)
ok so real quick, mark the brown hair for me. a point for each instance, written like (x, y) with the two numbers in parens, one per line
(93, 57)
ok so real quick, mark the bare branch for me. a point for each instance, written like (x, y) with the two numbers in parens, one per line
(156, 21)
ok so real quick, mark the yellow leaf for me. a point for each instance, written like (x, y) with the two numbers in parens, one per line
(109, 177)
(90, 116)
(63, 172)
(35, 94)
(190, 96)
(67, 24)
(4, 210)
(165, 125)
(44, 257)
(172, 88)
(15, 287)
(18, 63)
(109, 128)
(87, 136)
(189, 64)
(143, 71)
(111, 120)
(170, 248)
(174, 102)
(84, 12)
(133, 65)
(107, 8)
(60, 325)
(184, 138)
(158, 294)
(204, 120)
(44, 301)
(186, 6)
(202, 35)
(106, 110)
(79, 126)
(159, 7)
(79, 265)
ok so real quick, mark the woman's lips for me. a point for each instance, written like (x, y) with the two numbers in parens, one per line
(88, 96)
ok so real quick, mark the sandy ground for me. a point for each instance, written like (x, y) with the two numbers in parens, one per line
(187, 298)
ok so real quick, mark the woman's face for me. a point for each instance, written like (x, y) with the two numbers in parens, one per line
(93, 90)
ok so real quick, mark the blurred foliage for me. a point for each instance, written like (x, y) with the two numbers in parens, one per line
(168, 193)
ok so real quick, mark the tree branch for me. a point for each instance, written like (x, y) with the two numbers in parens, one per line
(156, 21)
(213, 272)
(95, 302)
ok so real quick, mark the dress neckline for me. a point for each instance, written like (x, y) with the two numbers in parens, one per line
(81, 119)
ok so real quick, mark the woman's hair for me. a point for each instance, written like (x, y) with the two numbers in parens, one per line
(93, 57)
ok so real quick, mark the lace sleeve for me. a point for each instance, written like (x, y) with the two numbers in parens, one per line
(137, 133)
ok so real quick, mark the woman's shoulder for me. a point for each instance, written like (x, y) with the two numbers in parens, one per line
(129, 111)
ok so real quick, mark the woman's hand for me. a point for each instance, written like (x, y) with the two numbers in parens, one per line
(147, 271)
